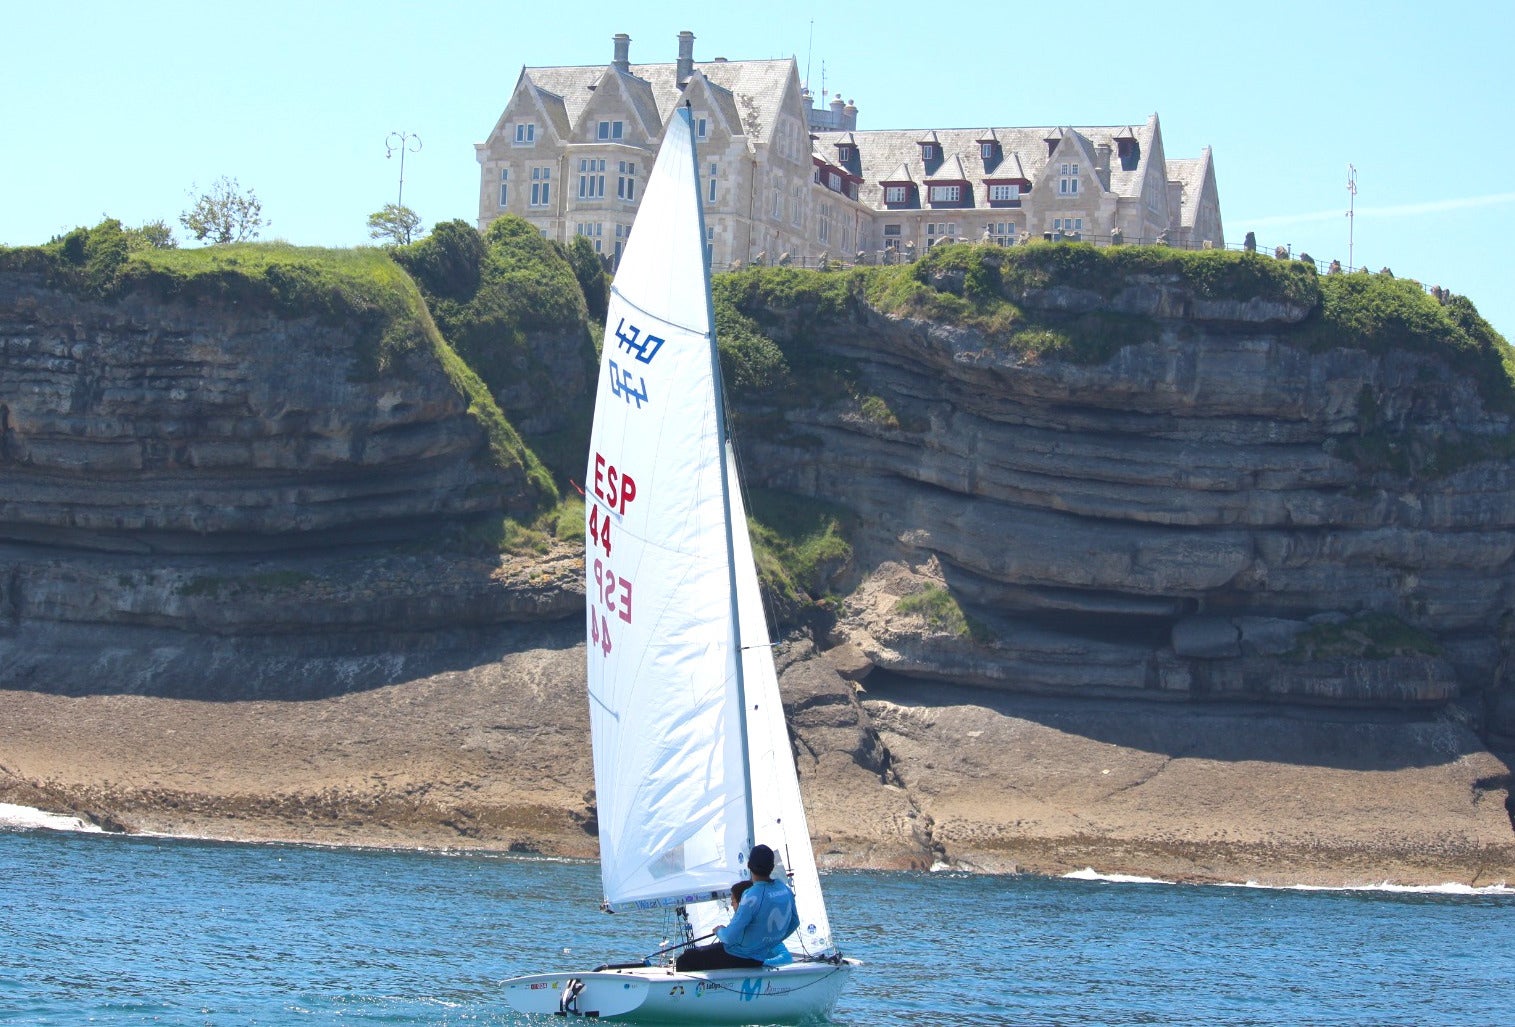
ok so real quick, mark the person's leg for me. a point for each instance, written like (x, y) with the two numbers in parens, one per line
(712, 957)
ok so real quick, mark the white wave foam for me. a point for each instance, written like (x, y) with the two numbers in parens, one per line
(25, 818)
(1389, 887)
(1090, 874)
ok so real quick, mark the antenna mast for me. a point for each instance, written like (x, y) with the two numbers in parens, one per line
(1351, 211)
(809, 50)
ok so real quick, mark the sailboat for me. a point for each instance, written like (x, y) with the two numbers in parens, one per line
(693, 765)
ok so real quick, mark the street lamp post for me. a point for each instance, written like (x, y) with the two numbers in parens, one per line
(401, 141)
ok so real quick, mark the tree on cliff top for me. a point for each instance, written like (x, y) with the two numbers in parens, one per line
(224, 214)
(394, 222)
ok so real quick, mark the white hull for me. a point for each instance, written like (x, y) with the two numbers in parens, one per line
(791, 993)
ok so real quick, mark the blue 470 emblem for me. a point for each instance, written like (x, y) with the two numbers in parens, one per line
(643, 347)
(631, 388)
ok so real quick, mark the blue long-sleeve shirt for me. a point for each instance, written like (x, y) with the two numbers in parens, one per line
(764, 919)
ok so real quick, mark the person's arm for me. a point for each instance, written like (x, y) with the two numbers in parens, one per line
(739, 922)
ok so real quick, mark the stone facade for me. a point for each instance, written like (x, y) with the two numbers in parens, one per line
(785, 181)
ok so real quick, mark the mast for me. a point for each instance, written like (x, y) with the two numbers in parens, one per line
(723, 434)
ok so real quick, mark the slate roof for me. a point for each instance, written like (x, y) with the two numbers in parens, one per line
(895, 155)
(1190, 172)
(737, 88)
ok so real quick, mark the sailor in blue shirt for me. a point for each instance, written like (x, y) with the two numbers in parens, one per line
(765, 917)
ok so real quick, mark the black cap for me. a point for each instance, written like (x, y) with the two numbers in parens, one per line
(760, 860)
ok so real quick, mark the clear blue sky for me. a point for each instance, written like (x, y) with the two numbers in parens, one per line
(120, 109)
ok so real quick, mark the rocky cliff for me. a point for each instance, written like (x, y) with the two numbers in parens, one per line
(211, 473)
(1256, 498)
(1094, 477)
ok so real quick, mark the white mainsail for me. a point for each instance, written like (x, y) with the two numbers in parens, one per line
(665, 720)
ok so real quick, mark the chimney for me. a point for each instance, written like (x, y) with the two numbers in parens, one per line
(686, 56)
(836, 106)
(851, 112)
(1102, 163)
(622, 52)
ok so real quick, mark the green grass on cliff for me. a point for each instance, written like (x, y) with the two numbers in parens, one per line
(1380, 313)
(941, 611)
(362, 289)
(980, 287)
(1371, 636)
(491, 295)
(807, 538)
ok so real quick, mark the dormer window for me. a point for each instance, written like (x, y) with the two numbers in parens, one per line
(946, 193)
(929, 151)
(896, 194)
(526, 133)
(611, 130)
(988, 149)
(846, 153)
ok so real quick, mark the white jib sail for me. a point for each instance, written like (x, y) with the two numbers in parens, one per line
(669, 785)
(778, 811)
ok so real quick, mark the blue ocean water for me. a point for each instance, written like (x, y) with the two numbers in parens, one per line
(112, 930)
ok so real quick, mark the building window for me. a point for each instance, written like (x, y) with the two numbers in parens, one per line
(1002, 232)
(928, 151)
(896, 193)
(778, 203)
(541, 187)
(986, 150)
(709, 246)
(610, 130)
(946, 193)
(1004, 193)
(622, 233)
(626, 181)
(891, 237)
(526, 134)
(591, 179)
(504, 187)
(940, 231)
(1067, 182)
(797, 205)
(846, 153)
(701, 127)
(1069, 227)
(595, 233)
(714, 170)
(823, 230)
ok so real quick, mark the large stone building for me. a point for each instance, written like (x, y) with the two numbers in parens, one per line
(783, 179)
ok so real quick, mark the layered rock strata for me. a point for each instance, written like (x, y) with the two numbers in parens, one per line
(1191, 518)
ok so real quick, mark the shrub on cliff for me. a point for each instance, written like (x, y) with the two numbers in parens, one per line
(801, 548)
(594, 280)
(512, 305)
(1211, 274)
(445, 264)
(1380, 313)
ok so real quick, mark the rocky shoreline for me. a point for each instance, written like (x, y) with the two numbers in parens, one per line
(496, 758)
